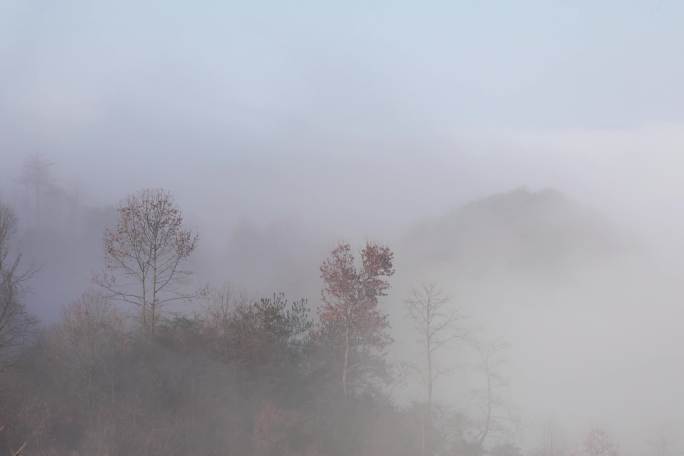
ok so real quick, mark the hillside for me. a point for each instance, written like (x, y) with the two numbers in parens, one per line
(521, 231)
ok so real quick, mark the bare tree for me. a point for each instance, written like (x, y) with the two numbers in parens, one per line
(490, 365)
(145, 254)
(660, 444)
(552, 440)
(15, 322)
(437, 326)
(221, 301)
(36, 177)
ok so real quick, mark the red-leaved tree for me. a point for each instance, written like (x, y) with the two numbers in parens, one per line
(350, 312)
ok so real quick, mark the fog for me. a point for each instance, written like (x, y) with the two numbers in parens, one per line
(525, 157)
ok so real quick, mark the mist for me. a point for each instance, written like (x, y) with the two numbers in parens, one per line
(525, 159)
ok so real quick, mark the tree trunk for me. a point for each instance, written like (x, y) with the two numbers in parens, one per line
(143, 306)
(345, 366)
(154, 289)
(427, 419)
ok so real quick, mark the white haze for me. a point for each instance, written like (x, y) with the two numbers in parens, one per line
(301, 124)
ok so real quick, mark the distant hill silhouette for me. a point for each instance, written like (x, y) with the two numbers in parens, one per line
(517, 231)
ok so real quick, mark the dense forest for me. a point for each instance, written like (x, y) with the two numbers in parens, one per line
(146, 362)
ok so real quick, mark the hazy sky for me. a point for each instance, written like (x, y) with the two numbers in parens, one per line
(445, 65)
(445, 100)
(272, 109)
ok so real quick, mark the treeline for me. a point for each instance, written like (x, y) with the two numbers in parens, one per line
(127, 372)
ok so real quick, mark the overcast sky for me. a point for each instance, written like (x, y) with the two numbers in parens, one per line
(361, 115)
(440, 100)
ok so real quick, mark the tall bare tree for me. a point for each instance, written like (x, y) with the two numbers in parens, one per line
(146, 252)
(437, 325)
(15, 321)
(35, 175)
(490, 365)
(661, 443)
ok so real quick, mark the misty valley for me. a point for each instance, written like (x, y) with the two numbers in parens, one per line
(341, 228)
(419, 346)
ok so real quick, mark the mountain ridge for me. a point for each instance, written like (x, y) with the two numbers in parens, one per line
(516, 229)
